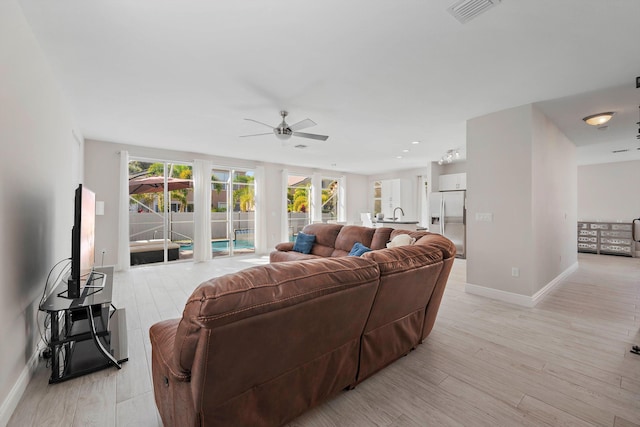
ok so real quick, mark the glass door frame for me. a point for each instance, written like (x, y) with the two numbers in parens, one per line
(231, 172)
(166, 210)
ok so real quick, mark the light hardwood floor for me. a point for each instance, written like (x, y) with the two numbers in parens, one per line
(565, 362)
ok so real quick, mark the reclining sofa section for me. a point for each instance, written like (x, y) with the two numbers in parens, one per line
(261, 346)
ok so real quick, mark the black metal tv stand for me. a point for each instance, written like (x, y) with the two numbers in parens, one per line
(87, 333)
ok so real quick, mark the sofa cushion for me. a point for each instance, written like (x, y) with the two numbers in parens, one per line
(349, 235)
(381, 237)
(282, 256)
(401, 240)
(304, 242)
(358, 249)
(325, 238)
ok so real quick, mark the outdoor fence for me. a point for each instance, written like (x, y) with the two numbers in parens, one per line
(149, 225)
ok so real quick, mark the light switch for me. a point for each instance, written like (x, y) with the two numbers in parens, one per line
(484, 217)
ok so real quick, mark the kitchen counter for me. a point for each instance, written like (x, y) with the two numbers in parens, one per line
(404, 225)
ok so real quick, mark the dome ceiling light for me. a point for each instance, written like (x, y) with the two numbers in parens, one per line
(598, 119)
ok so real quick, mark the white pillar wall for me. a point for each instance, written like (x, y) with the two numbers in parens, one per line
(284, 220)
(316, 197)
(521, 170)
(342, 199)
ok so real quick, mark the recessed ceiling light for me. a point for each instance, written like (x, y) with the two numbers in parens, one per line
(416, 142)
(398, 157)
(405, 151)
(598, 119)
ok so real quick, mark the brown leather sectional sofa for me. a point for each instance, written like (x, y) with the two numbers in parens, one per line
(261, 346)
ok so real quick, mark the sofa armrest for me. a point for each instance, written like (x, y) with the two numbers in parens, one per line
(163, 336)
(285, 246)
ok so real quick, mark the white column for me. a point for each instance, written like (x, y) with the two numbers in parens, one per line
(260, 215)
(316, 197)
(202, 210)
(284, 235)
(124, 260)
(342, 199)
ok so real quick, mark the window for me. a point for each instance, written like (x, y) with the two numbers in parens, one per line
(299, 204)
(377, 197)
(330, 199)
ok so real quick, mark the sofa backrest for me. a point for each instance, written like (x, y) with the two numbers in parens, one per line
(408, 276)
(448, 249)
(348, 236)
(274, 330)
(335, 240)
(326, 235)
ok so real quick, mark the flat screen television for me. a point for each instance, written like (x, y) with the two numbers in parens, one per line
(82, 241)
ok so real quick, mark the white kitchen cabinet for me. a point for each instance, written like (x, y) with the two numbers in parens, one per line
(452, 182)
(391, 196)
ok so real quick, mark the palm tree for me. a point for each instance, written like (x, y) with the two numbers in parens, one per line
(244, 193)
(299, 200)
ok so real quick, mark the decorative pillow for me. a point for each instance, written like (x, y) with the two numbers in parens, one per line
(358, 249)
(401, 240)
(304, 243)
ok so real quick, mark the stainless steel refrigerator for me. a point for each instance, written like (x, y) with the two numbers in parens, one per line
(448, 217)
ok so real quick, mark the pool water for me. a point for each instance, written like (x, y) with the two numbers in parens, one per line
(223, 245)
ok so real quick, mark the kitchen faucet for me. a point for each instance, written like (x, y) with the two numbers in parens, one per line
(394, 212)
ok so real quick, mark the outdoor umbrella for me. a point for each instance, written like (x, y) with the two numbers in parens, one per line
(155, 184)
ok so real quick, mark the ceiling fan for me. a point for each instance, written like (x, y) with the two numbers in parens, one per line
(284, 131)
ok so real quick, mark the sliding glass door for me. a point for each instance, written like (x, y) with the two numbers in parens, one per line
(232, 212)
(160, 211)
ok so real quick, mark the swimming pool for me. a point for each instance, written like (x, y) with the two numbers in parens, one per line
(222, 245)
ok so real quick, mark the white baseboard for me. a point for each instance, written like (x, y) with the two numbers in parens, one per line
(519, 299)
(13, 398)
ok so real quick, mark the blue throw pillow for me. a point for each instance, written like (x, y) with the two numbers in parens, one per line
(304, 243)
(358, 249)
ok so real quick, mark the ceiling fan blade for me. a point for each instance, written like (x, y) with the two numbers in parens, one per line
(311, 136)
(264, 124)
(256, 134)
(303, 124)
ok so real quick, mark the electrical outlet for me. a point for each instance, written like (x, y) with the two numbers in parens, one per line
(515, 272)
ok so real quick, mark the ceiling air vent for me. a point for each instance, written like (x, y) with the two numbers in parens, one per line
(465, 10)
(620, 151)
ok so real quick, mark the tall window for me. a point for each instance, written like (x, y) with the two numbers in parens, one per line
(330, 199)
(299, 204)
(244, 210)
(377, 197)
(220, 180)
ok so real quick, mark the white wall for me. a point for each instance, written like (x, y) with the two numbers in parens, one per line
(102, 176)
(499, 175)
(39, 163)
(554, 193)
(521, 169)
(608, 192)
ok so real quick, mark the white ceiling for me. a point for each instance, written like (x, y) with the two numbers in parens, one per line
(374, 75)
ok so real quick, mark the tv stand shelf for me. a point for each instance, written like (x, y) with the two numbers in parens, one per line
(87, 333)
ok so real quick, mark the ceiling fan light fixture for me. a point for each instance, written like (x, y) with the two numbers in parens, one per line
(598, 119)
